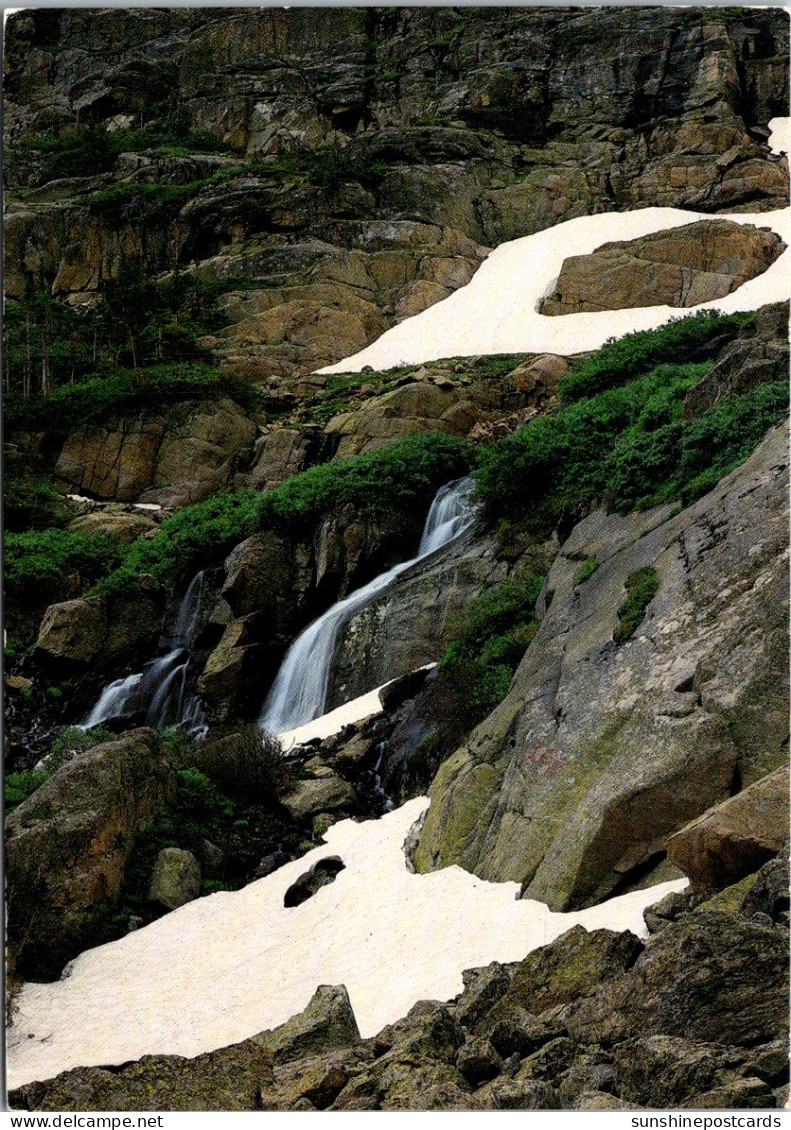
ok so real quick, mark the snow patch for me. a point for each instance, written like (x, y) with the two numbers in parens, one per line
(496, 312)
(780, 135)
(229, 965)
(366, 706)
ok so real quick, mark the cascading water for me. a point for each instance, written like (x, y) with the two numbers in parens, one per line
(299, 691)
(160, 693)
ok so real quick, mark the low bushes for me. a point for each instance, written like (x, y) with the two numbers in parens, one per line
(626, 447)
(126, 392)
(621, 360)
(393, 478)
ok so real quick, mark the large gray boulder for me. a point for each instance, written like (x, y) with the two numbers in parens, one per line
(734, 838)
(68, 844)
(601, 751)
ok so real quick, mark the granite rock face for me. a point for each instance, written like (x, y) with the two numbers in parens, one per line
(729, 841)
(383, 150)
(600, 751)
(680, 267)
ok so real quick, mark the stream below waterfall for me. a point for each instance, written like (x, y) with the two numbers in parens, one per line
(161, 695)
(299, 692)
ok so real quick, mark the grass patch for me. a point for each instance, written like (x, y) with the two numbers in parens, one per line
(587, 569)
(621, 360)
(641, 587)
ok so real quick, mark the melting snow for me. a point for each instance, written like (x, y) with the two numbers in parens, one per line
(333, 722)
(229, 965)
(497, 311)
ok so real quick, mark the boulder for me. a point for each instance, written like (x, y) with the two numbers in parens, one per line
(571, 967)
(168, 460)
(68, 845)
(95, 630)
(73, 631)
(259, 575)
(679, 267)
(666, 1071)
(324, 794)
(478, 1061)
(176, 878)
(713, 976)
(736, 837)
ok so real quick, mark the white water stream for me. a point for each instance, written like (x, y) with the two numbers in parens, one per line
(299, 692)
(159, 693)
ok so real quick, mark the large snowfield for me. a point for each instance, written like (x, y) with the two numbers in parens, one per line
(229, 965)
(497, 311)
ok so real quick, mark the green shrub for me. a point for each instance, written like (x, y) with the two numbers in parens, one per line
(31, 501)
(622, 359)
(586, 569)
(19, 786)
(37, 562)
(641, 587)
(69, 742)
(626, 446)
(391, 479)
(123, 393)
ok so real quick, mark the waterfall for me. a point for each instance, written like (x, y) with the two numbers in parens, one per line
(299, 691)
(160, 693)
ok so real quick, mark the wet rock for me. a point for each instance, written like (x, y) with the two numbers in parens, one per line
(68, 845)
(176, 878)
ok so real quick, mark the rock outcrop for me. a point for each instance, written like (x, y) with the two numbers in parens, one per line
(373, 645)
(600, 751)
(67, 847)
(372, 156)
(682, 267)
(102, 631)
(161, 460)
(730, 841)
